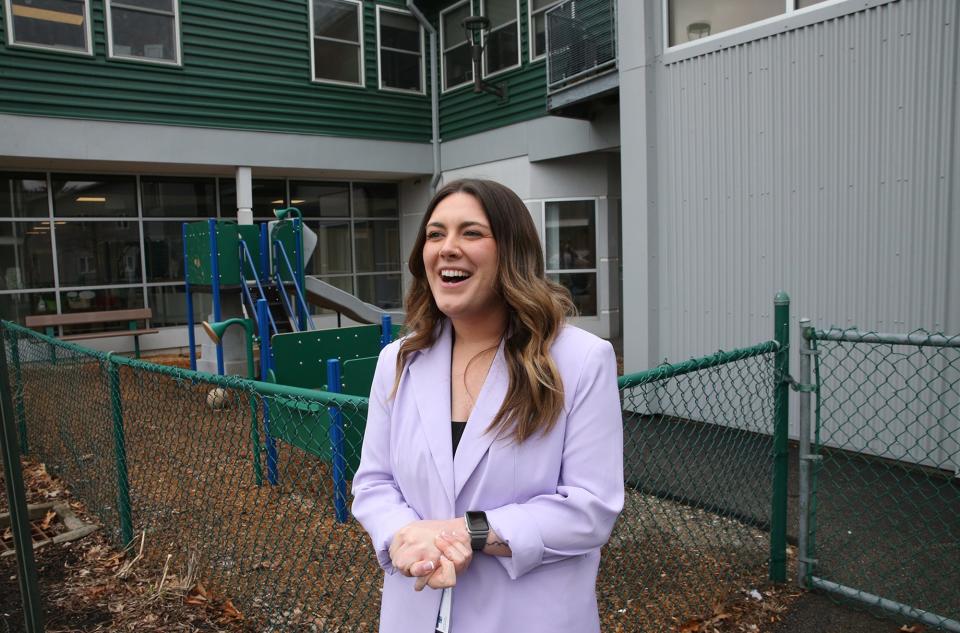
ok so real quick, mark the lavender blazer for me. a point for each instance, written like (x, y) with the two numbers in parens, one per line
(553, 498)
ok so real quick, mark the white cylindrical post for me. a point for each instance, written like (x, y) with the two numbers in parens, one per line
(244, 196)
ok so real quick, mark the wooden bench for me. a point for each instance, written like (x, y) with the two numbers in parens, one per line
(51, 321)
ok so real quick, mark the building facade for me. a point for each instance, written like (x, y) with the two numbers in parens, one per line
(682, 159)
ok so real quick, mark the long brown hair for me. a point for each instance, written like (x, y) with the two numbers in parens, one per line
(536, 309)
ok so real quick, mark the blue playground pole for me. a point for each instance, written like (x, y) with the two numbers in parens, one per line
(386, 330)
(336, 444)
(263, 322)
(215, 282)
(191, 336)
(264, 253)
(298, 258)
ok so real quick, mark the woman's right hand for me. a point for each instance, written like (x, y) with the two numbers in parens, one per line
(414, 545)
(455, 558)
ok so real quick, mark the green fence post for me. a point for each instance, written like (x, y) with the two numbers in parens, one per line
(120, 449)
(778, 511)
(19, 518)
(18, 393)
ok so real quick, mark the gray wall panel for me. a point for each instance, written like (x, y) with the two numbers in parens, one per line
(822, 160)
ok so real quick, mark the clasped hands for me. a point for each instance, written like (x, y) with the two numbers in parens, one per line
(433, 552)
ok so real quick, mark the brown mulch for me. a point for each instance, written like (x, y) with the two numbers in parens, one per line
(88, 585)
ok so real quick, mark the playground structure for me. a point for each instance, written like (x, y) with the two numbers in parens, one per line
(265, 264)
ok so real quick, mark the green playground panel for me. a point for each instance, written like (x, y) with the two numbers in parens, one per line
(284, 233)
(306, 425)
(198, 265)
(356, 376)
(300, 358)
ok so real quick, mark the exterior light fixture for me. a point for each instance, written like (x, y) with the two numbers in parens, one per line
(476, 26)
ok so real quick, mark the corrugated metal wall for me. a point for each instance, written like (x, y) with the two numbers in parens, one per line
(819, 161)
(246, 65)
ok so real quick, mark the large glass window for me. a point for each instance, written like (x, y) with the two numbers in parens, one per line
(337, 41)
(538, 26)
(56, 24)
(26, 255)
(400, 44)
(110, 241)
(168, 197)
(571, 250)
(99, 196)
(457, 66)
(501, 49)
(98, 253)
(267, 196)
(23, 196)
(146, 30)
(321, 199)
(695, 19)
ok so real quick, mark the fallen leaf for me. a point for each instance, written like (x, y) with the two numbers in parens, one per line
(912, 628)
(47, 520)
(230, 612)
(691, 626)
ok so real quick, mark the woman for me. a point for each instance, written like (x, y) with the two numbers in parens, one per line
(492, 464)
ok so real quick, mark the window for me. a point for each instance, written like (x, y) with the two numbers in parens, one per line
(147, 30)
(62, 25)
(267, 196)
(690, 20)
(571, 250)
(501, 50)
(538, 26)
(457, 66)
(400, 45)
(336, 43)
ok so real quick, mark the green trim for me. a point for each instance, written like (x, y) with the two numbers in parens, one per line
(695, 364)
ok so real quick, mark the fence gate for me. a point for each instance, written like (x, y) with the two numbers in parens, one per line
(880, 471)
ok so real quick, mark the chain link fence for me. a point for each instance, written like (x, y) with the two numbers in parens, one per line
(180, 461)
(884, 511)
(698, 455)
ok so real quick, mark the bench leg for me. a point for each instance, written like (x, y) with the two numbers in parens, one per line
(136, 346)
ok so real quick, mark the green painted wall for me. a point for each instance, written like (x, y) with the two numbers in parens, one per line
(246, 65)
(464, 112)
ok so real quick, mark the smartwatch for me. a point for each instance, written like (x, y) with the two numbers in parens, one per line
(477, 528)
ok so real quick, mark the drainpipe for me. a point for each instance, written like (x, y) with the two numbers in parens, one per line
(434, 91)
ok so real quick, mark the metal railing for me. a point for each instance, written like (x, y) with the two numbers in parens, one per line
(581, 41)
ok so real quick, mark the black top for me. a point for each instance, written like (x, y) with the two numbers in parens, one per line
(456, 429)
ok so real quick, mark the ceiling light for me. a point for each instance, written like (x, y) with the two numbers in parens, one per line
(276, 202)
(297, 201)
(91, 199)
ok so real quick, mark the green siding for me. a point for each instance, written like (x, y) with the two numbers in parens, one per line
(246, 65)
(464, 112)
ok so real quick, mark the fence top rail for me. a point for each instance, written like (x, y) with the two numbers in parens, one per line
(323, 398)
(666, 371)
(918, 338)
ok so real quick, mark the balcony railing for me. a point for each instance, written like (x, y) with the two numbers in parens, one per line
(581, 41)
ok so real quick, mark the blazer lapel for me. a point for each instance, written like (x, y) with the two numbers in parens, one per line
(476, 440)
(430, 379)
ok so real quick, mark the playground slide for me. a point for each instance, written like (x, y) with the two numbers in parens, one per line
(326, 296)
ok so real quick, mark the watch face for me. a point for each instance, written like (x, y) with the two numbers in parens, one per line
(477, 521)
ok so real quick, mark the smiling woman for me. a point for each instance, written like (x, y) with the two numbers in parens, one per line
(492, 466)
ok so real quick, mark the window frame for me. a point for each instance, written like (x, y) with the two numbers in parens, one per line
(596, 244)
(178, 46)
(88, 33)
(483, 61)
(792, 18)
(362, 53)
(443, 50)
(531, 36)
(423, 66)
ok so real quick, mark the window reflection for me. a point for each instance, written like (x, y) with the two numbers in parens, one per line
(26, 257)
(94, 196)
(97, 253)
